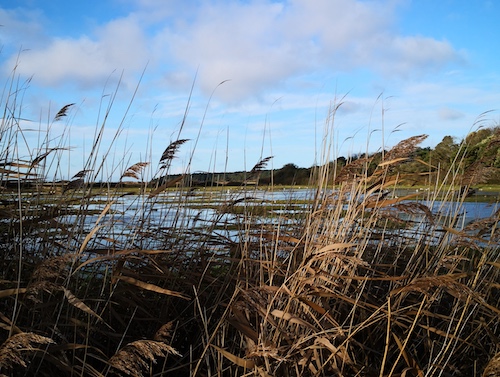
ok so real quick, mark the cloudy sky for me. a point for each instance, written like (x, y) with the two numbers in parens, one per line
(257, 78)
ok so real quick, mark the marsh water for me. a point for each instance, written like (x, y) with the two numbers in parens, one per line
(203, 206)
(147, 222)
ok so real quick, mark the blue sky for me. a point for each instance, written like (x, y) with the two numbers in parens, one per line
(429, 67)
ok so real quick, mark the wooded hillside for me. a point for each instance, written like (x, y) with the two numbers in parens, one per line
(480, 152)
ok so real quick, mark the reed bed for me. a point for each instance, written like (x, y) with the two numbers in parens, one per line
(358, 283)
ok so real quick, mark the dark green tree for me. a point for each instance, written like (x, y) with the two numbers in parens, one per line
(445, 153)
(291, 174)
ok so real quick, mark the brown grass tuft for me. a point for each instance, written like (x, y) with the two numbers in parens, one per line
(63, 112)
(493, 367)
(134, 170)
(353, 170)
(171, 150)
(17, 349)
(48, 276)
(164, 333)
(53, 269)
(260, 165)
(404, 148)
(137, 356)
(82, 173)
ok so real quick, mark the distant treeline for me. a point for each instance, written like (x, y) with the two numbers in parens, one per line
(479, 153)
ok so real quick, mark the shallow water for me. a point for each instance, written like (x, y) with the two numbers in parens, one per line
(138, 221)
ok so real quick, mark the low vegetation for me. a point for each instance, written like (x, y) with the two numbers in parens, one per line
(352, 281)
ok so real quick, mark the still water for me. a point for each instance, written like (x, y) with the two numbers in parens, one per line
(136, 218)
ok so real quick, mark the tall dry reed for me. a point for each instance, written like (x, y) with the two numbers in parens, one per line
(169, 280)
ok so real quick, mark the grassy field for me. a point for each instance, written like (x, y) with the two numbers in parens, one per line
(358, 282)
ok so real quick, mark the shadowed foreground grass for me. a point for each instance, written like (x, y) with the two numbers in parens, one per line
(357, 283)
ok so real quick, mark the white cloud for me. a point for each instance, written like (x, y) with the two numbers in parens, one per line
(119, 45)
(446, 113)
(237, 42)
(262, 44)
(258, 44)
(406, 56)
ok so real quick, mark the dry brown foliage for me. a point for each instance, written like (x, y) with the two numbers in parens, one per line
(404, 148)
(493, 367)
(353, 170)
(18, 349)
(63, 112)
(49, 276)
(134, 170)
(137, 356)
(354, 281)
(164, 333)
(171, 150)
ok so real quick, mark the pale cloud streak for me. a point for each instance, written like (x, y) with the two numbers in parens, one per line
(446, 113)
(16, 31)
(414, 56)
